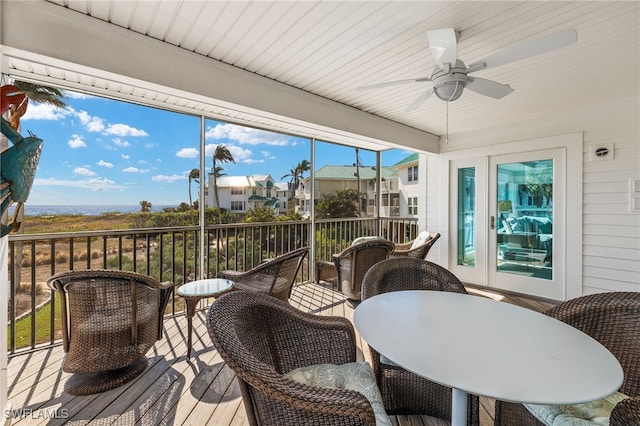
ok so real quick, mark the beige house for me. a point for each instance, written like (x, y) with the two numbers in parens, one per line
(408, 187)
(331, 178)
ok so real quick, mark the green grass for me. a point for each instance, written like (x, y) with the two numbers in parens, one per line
(43, 327)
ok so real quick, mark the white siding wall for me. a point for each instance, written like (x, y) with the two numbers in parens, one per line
(611, 249)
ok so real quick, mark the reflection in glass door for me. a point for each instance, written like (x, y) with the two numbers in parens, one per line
(524, 218)
(527, 208)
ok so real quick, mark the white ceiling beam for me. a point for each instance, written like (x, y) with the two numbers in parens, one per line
(59, 33)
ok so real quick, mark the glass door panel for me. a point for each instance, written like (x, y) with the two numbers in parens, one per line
(466, 216)
(524, 218)
(527, 206)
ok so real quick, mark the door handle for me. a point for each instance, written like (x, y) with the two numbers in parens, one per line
(492, 222)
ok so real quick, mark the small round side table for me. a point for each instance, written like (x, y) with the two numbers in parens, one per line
(194, 291)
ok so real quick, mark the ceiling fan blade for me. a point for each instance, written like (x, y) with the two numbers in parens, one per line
(488, 87)
(394, 83)
(419, 100)
(527, 49)
(444, 46)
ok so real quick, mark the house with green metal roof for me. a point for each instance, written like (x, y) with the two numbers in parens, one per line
(332, 178)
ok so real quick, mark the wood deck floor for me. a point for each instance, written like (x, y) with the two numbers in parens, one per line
(171, 391)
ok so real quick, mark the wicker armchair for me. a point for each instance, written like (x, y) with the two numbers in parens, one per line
(350, 265)
(404, 392)
(613, 319)
(419, 252)
(275, 277)
(262, 338)
(354, 262)
(110, 319)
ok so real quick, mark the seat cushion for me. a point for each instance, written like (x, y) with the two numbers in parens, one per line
(357, 376)
(587, 414)
(365, 239)
(422, 238)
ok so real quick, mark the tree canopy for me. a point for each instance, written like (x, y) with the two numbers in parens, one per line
(342, 203)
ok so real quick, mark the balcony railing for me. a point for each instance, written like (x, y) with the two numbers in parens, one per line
(167, 254)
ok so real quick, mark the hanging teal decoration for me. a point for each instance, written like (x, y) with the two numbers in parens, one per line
(18, 166)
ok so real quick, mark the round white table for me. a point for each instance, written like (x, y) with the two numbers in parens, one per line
(194, 291)
(485, 347)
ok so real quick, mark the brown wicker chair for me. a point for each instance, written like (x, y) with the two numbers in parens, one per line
(350, 265)
(261, 338)
(110, 319)
(419, 252)
(613, 319)
(275, 276)
(626, 413)
(404, 392)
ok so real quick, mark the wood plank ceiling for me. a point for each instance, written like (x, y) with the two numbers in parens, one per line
(331, 48)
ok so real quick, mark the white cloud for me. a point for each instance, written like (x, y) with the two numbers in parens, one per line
(92, 184)
(252, 161)
(45, 112)
(124, 130)
(92, 124)
(164, 178)
(83, 171)
(121, 142)
(268, 155)
(187, 153)
(97, 124)
(103, 163)
(76, 142)
(125, 156)
(247, 135)
(134, 170)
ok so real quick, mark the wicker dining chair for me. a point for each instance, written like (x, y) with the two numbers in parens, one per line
(262, 338)
(415, 249)
(275, 277)
(613, 319)
(110, 319)
(404, 392)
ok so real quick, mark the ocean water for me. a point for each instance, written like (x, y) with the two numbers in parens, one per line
(86, 210)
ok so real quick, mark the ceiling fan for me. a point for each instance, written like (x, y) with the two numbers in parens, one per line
(451, 75)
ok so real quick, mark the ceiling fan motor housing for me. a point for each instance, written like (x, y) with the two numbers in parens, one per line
(449, 84)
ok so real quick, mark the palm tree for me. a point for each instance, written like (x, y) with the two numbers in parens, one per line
(194, 175)
(145, 206)
(296, 174)
(221, 155)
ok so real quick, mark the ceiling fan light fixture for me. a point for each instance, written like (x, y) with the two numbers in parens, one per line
(449, 90)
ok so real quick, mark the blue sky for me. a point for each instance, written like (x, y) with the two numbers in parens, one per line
(106, 152)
